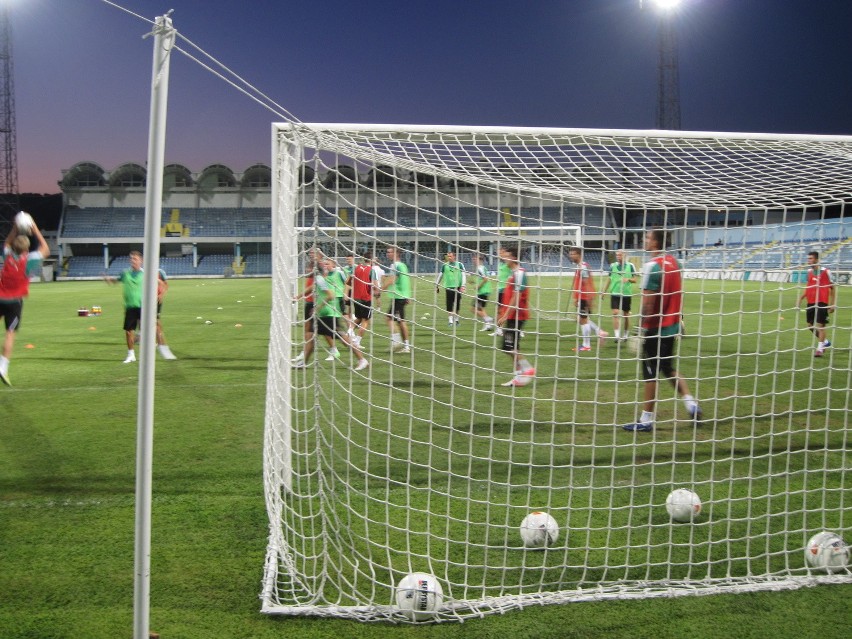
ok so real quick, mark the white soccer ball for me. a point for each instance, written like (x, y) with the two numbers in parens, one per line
(683, 505)
(419, 595)
(24, 222)
(539, 530)
(634, 344)
(827, 551)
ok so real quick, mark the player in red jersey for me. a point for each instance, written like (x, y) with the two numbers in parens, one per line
(362, 285)
(662, 306)
(584, 295)
(19, 265)
(819, 293)
(308, 295)
(514, 311)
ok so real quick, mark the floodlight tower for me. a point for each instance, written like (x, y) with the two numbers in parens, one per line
(668, 83)
(8, 144)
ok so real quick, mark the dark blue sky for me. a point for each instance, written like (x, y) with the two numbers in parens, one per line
(83, 71)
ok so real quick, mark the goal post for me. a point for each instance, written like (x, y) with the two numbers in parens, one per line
(428, 458)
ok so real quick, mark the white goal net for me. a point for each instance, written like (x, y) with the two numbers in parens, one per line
(427, 458)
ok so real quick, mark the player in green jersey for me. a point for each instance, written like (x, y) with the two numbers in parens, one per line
(327, 316)
(336, 278)
(132, 280)
(483, 290)
(622, 277)
(503, 274)
(454, 278)
(397, 285)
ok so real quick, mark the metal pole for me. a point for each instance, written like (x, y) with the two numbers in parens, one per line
(164, 37)
(668, 75)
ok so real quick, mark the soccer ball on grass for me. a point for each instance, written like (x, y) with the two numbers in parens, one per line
(826, 551)
(419, 595)
(539, 530)
(683, 505)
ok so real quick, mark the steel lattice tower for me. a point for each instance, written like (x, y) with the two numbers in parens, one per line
(8, 142)
(668, 83)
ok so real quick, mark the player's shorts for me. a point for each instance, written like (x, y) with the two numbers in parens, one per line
(397, 310)
(453, 300)
(309, 311)
(12, 311)
(481, 300)
(132, 317)
(363, 309)
(326, 326)
(658, 355)
(499, 302)
(584, 308)
(817, 313)
(620, 303)
(512, 335)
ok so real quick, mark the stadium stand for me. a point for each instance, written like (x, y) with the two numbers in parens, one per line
(215, 265)
(207, 231)
(85, 266)
(177, 266)
(772, 246)
(258, 264)
(103, 223)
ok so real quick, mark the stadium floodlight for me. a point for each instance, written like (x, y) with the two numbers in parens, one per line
(668, 83)
(666, 5)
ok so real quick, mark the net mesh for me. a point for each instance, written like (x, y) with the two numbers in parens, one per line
(426, 462)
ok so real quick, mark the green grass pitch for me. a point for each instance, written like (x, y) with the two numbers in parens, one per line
(67, 463)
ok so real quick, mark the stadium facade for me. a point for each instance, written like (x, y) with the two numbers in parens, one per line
(218, 221)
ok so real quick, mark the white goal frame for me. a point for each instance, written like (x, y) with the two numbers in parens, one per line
(766, 174)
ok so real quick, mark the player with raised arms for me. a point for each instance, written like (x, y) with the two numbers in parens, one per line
(19, 264)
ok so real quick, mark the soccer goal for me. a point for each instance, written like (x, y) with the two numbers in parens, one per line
(428, 461)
